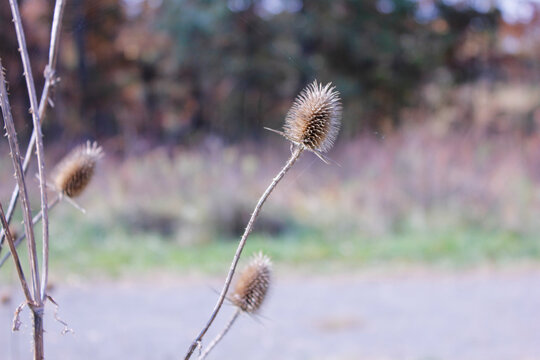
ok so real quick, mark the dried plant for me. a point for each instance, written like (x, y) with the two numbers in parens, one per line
(75, 171)
(311, 124)
(72, 175)
(314, 119)
(249, 294)
(35, 289)
(253, 284)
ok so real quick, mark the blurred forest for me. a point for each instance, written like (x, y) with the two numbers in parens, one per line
(141, 73)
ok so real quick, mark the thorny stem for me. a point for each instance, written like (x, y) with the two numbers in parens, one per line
(50, 81)
(220, 336)
(34, 222)
(295, 155)
(34, 108)
(19, 175)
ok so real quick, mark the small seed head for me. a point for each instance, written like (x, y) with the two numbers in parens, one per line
(253, 284)
(314, 118)
(75, 171)
(14, 232)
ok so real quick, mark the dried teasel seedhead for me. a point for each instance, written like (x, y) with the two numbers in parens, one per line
(314, 118)
(75, 171)
(253, 284)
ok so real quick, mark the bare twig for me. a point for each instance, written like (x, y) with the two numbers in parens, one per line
(50, 82)
(34, 107)
(17, 317)
(19, 175)
(220, 336)
(50, 73)
(35, 220)
(295, 155)
(66, 328)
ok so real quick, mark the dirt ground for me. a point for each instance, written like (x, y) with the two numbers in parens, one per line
(481, 314)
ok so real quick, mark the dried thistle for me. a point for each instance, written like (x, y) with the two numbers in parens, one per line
(75, 171)
(314, 118)
(311, 124)
(251, 289)
(253, 284)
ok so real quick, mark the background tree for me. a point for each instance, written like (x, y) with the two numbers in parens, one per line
(146, 73)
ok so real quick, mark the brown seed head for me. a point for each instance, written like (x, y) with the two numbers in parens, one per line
(314, 118)
(14, 232)
(253, 284)
(75, 171)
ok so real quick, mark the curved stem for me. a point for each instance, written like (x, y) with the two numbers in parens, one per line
(220, 336)
(295, 155)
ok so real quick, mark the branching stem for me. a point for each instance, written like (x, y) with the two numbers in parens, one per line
(220, 336)
(294, 156)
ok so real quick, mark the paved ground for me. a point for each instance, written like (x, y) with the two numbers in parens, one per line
(474, 315)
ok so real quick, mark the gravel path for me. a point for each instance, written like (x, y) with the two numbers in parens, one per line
(479, 315)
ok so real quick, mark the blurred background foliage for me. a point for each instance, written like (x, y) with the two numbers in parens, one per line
(149, 72)
(439, 147)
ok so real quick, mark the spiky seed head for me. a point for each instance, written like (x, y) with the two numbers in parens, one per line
(252, 286)
(75, 171)
(314, 118)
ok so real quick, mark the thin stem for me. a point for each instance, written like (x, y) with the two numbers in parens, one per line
(220, 336)
(34, 107)
(53, 46)
(35, 220)
(19, 175)
(16, 259)
(294, 156)
(50, 81)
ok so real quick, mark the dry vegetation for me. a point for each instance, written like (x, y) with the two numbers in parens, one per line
(413, 196)
(449, 189)
(407, 197)
(381, 187)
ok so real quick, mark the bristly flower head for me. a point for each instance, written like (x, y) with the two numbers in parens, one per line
(253, 284)
(314, 118)
(75, 171)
